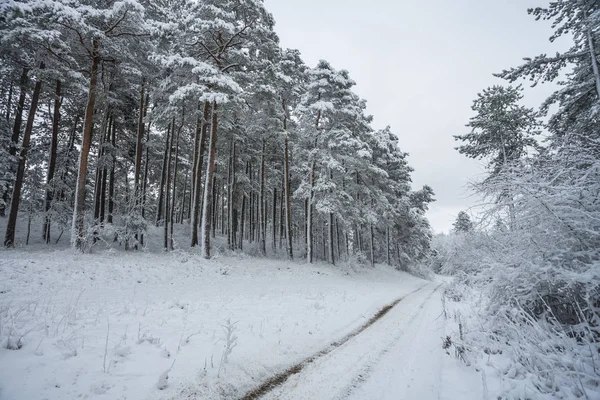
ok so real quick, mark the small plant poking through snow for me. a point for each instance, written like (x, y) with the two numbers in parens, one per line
(230, 342)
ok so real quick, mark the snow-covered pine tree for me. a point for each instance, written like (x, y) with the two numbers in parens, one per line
(463, 223)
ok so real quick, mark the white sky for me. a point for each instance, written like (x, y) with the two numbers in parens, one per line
(419, 65)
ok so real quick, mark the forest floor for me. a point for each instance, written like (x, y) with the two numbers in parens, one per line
(151, 325)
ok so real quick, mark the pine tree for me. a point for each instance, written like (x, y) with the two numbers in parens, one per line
(502, 130)
(463, 223)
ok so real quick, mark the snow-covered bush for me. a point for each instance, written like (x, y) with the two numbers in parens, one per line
(539, 282)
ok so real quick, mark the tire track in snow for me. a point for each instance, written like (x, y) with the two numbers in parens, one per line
(280, 378)
(365, 372)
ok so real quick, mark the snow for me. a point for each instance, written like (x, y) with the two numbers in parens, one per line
(399, 357)
(124, 325)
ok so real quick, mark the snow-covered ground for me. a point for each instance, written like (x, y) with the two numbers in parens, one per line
(114, 325)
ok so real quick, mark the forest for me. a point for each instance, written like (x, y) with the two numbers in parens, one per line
(177, 112)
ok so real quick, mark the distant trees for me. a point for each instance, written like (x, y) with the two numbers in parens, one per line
(463, 223)
(190, 112)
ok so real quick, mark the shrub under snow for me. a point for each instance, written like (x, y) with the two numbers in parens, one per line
(535, 289)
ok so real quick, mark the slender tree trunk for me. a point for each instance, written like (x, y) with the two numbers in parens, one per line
(145, 175)
(127, 200)
(137, 181)
(212, 148)
(242, 220)
(309, 221)
(288, 196)
(4, 193)
(52, 161)
(138, 146)
(387, 245)
(16, 132)
(323, 240)
(111, 177)
(19, 113)
(195, 160)
(99, 166)
(261, 200)
(251, 204)
(173, 202)
(183, 200)
(305, 226)
(29, 215)
(331, 240)
(197, 179)
(168, 188)
(215, 206)
(9, 100)
(77, 234)
(163, 179)
(230, 198)
(228, 187)
(337, 235)
(274, 217)
(104, 175)
(9, 237)
(372, 245)
(222, 195)
(282, 219)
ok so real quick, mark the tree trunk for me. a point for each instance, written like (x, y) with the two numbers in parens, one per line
(9, 237)
(145, 175)
(309, 219)
(52, 161)
(228, 193)
(242, 220)
(9, 100)
(387, 245)
(4, 193)
(372, 246)
(212, 148)
(230, 198)
(173, 202)
(183, 200)
(195, 160)
(79, 209)
(274, 217)
(111, 178)
(138, 147)
(19, 113)
(288, 196)
(163, 179)
(261, 200)
(104, 175)
(282, 219)
(168, 186)
(215, 206)
(251, 204)
(99, 162)
(127, 199)
(137, 189)
(331, 240)
(337, 236)
(197, 173)
(16, 131)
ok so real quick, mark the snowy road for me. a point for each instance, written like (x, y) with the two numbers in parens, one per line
(398, 357)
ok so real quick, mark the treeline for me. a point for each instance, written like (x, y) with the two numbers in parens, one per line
(121, 114)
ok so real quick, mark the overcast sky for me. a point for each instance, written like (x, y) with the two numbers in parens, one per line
(419, 65)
